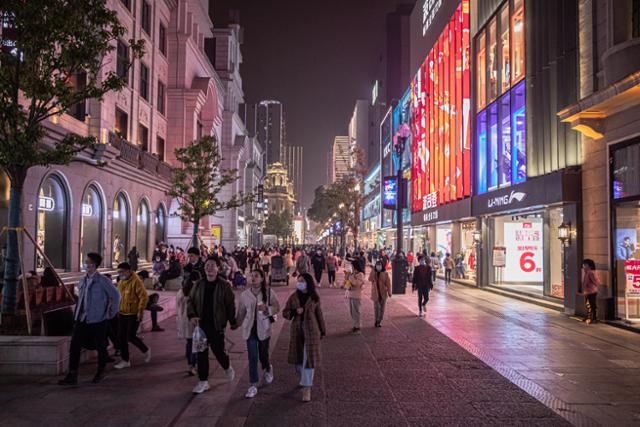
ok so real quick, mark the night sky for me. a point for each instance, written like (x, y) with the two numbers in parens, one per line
(315, 56)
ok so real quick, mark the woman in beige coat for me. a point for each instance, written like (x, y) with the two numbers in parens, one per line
(380, 291)
(357, 280)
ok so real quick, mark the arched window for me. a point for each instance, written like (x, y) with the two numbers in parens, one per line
(52, 222)
(120, 231)
(142, 230)
(92, 219)
(161, 228)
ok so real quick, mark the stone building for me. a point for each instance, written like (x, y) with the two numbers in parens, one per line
(278, 190)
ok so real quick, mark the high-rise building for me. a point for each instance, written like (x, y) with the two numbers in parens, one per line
(329, 177)
(340, 158)
(359, 127)
(292, 159)
(265, 120)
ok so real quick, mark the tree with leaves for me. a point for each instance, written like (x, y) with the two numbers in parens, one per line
(197, 184)
(280, 225)
(44, 46)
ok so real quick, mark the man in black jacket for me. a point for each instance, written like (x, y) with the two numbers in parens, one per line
(423, 282)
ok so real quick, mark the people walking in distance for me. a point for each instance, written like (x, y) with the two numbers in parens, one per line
(357, 280)
(133, 256)
(185, 328)
(307, 329)
(98, 301)
(589, 289)
(423, 283)
(435, 265)
(380, 291)
(211, 306)
(332, 268)
(256, 309)
(265, 261)
(318, 263)
(303, 264)
(449, 265)
(132, 305)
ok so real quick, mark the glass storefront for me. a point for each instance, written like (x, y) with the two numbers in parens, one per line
(120, 230)
(142, 230)
(52, 223)
(161, 229)
(91, 223)
(465, 256)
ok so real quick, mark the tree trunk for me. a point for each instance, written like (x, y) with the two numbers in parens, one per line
(194, 237)
(12, 257)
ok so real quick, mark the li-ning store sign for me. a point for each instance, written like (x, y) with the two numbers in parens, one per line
(507, 199)
(429, 10)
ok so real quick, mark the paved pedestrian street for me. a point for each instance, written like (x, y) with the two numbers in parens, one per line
(477, 359)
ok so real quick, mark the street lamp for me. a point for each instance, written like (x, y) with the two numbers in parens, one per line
(399, 281)
(564, 233)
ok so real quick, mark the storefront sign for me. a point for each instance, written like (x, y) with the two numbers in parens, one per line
(87, 210)
(499, 256)
(430, 216)
(430, 201)
(429, 10)
(450, 212)
(632, 272)
(506, 200)
(216, 233)
(46, 204)
(524, 251)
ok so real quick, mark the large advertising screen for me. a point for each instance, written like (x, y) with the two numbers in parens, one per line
(441, 114)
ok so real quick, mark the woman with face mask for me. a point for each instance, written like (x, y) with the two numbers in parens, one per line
(307, 329)
(380, 291)
(256, 309)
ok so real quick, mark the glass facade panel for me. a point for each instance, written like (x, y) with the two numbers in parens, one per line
(482, 151)
(505, 60)
(519, 130)
(626, 172)
(493, 146)
(493, 60)
(91, 223)
(627, 259)
(481, 71)
(505, 167)
(517, 40)
(120, 229)
(142, 230)
(52, 223)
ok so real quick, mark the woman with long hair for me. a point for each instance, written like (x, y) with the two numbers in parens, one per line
(256, 310)
(307, 329)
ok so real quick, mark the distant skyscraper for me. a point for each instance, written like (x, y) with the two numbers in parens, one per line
(292, 159)
(341, 158)
(329, 176)
(359, 127)
(265, 120)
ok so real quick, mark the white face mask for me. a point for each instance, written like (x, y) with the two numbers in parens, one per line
(302, 286)
(378, 268)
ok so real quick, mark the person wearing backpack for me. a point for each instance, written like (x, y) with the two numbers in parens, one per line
(423, 283)
(256, 310)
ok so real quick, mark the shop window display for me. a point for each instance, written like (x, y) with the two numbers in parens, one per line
(492, 60)
(627, 260)
(161, 219)
(52, 222)
(505, 60)
(120, 229)
(91, 223)
(142, 230)
(517, 40)
(481, 71)
(465, 258)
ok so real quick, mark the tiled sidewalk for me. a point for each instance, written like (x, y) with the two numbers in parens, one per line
(406, 373)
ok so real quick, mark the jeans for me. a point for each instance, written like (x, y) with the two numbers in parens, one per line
(378, 307)
(189, 354)
(82, 333)
(590, 302)
(332, 276)
(423, 298)
(306, 374)
(216, 342)
(127, 333)
(257, 350)
(354, 307)
(434, 272)
(447, 275)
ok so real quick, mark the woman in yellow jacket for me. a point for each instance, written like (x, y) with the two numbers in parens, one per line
(133, 300)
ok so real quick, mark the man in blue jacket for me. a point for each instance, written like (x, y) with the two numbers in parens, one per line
(98, 301)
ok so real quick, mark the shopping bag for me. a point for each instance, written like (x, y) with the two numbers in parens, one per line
(199, 340)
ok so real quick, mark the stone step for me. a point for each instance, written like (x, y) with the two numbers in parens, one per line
(41, 355)
(526, 297)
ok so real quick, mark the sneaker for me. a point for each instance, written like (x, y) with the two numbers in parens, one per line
(420, 314)
(230, 373)
(70, 379)
(157, 329)
(252, 392)
(201, 387)
(122, 364)
(99, 377)
(191, 371)
(306, 394)
(268, 375)
(147, 356)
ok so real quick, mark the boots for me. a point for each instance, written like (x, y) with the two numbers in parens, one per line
(306, 394)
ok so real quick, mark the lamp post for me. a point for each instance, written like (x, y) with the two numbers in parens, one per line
(564, 235)
(477, 240)
(399, 282)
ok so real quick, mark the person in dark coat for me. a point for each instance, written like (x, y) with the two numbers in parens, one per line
(423, 282)
(318, 263)
(195, 263)
(133, 257)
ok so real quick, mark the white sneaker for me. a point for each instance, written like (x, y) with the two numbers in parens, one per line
(252, 392)
(420, 314)
(201, 387)
(268, 375)
(230, 373)
(147, 356)
(122, 364)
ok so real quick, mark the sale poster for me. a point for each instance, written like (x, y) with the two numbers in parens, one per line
(632, 271)
(524, 257)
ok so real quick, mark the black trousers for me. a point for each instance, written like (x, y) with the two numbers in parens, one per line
(128, 333)
(332, 276)
(318, 274)
(112, 332)
(447, 275)
(592, 309)
(88, 335)
(423, 297)
(216, 342)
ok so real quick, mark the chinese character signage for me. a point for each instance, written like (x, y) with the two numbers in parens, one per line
(632, 272)
(440, 125)
(524, 251)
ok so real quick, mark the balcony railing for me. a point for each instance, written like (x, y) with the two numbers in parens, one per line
(149, 162)
(131, 153)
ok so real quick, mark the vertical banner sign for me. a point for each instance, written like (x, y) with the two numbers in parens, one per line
(632, 271)
(216, 233)
(524, 257)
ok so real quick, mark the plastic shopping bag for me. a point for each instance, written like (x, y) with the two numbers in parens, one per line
(199, 340)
